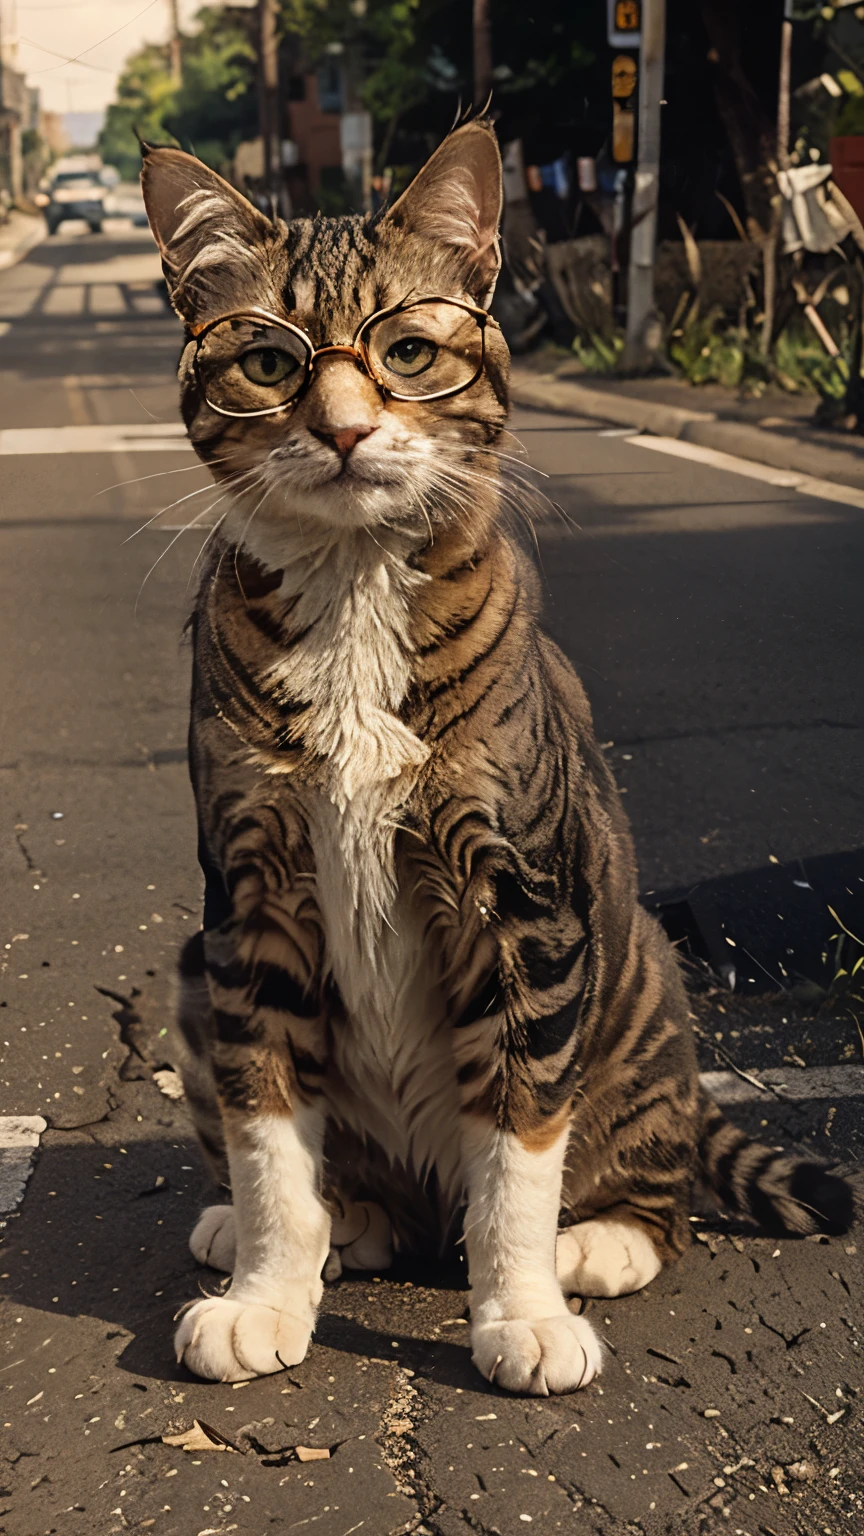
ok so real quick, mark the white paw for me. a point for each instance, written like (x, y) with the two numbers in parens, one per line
(225, 1340)
(213, 1239)
(363, 1236)
(555, 1354)
(605, 1257)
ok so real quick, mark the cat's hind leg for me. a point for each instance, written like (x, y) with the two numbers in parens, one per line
(361, 1234)
(214, 1238)
(361, 1237)
(613, 1254)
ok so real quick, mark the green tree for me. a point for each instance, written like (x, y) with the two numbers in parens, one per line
(145, 95)
(211, 112)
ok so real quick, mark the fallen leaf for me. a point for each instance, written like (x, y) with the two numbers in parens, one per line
(311, 1453)
(201, 1437)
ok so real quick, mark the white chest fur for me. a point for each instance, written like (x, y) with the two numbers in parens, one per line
(395, 1076)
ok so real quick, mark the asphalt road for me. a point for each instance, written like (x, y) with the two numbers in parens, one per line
(713, 618)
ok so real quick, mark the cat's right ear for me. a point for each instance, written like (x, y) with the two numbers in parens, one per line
(456, 201)
(213, 242)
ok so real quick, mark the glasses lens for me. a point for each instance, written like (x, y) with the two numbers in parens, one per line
(426, 349)
(247, 365)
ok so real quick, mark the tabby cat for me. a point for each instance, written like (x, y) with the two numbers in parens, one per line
(424, 985)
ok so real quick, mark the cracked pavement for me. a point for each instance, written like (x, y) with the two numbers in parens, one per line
(731, 1398)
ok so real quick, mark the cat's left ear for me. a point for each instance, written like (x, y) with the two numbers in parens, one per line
(214, 244)
(456, 201)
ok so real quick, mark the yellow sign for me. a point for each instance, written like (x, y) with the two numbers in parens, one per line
(624, 74)
(627, 15)
(623, 133)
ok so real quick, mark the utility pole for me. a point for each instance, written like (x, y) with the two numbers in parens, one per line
(174, 54)
(482, 53)
(642, 341)
(784, 88)
(269, 116)
(769, 249)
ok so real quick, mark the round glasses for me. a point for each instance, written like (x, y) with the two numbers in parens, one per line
(251, 363)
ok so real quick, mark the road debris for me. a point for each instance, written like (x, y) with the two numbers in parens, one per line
(201, 1437)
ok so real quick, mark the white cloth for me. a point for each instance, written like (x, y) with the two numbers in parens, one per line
(816, 215)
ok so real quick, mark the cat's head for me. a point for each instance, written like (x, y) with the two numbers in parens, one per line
(346, 452)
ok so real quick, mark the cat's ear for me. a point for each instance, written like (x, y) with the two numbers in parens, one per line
(213, 242)
(456, 201)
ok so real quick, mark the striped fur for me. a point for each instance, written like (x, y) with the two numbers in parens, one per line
(423, 969)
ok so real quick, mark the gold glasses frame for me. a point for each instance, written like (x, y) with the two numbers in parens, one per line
(357, 350)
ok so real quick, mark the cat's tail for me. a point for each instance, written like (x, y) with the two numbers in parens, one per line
(779, 1191)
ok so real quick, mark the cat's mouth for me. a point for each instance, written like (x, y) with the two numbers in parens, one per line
(349, 471)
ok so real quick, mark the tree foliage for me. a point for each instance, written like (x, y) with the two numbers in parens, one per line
(213, 109)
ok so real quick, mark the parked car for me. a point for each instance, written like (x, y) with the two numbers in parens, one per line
(75, 194)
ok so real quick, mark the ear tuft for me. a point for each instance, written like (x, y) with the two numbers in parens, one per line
(212, 240)
(456, 201)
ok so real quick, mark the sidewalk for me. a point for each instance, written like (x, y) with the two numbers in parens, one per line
(774, 430)
(18, 235)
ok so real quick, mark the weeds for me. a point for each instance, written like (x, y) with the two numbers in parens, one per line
(846, 989)
(599, 354)
(707, 351)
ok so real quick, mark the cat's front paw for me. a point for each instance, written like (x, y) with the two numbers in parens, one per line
(225, 1340)
(214, 1240)
(554, 1354)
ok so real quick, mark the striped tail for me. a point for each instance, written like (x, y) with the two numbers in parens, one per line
(781, 1192)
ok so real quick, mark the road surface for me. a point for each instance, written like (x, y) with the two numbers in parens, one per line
(713, 619)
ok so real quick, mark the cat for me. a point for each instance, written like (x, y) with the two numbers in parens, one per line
(425, 997)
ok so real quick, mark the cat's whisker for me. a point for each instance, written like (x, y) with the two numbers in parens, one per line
(178, 535)
(215, 529)
(512, 458)
(255, 510)
(199, 491)
(161, 473)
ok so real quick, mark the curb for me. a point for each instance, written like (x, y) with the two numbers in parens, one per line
(9, 255)
(843, 466)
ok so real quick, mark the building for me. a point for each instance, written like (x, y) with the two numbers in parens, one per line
(16, 107)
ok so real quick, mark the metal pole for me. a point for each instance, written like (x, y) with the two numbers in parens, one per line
(769, 249)
(174, 54)
(784, 87)
(482, 53)
(643, 336)
(268, 45)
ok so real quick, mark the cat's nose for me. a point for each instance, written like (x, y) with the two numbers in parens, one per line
(345, 440)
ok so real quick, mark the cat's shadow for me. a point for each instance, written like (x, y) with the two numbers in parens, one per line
(102, 1238)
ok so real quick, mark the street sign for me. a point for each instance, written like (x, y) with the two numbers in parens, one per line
(624, 23)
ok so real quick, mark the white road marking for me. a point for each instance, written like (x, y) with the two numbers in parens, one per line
(65, 300)
(147, 437)
(106, 299)
(786, 479)
(19, 1141)
(142, 266)
(845, 1082)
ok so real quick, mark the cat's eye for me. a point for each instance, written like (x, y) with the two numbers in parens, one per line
(249, 365)
(414, 354)
(269, 365)
(426, 350)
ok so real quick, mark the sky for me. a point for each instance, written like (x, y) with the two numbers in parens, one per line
(80, 31)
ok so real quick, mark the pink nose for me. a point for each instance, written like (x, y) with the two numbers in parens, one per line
(345, 440)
